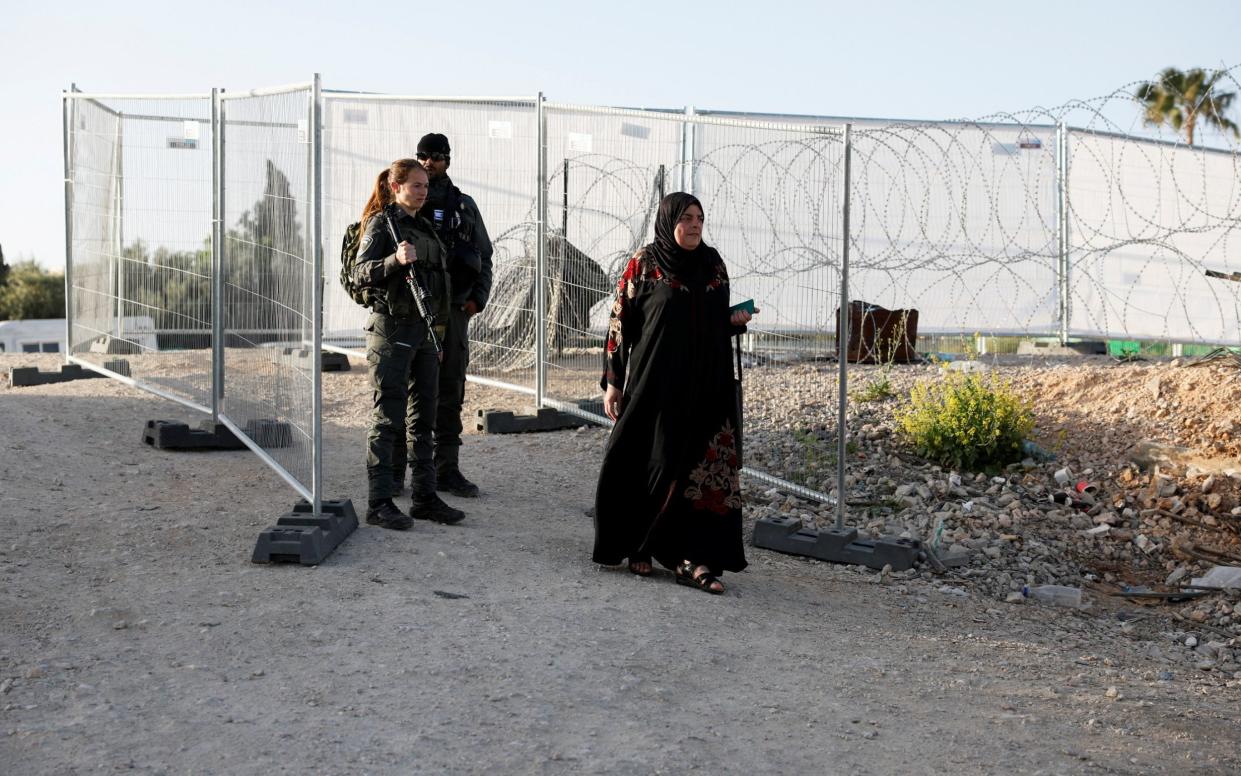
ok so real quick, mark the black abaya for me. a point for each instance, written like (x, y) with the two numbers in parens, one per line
(669, 487)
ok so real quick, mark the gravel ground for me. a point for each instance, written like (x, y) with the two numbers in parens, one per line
(137, 635)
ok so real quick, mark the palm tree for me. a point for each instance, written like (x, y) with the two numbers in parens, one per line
(1182, 99)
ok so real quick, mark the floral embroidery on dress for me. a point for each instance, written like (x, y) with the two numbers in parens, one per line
(715, 485)
(626, 290)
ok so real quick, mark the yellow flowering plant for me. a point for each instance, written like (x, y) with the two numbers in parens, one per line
(967, 421)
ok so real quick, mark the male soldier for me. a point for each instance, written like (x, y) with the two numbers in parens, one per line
(460, 226)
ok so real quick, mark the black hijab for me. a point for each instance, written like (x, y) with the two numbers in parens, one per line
(672, 259)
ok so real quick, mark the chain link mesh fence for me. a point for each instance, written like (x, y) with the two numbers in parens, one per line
(270, 367)
(1042, 226)
(140, 240)
(493, 160)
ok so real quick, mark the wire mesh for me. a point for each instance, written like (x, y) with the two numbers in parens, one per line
(606, 172)
(141, 247)
(1148, 220)
(771, 196)
(1089, 220)
(493, 160)
(269, 365)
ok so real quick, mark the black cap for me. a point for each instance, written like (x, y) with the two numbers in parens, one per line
(434, 143)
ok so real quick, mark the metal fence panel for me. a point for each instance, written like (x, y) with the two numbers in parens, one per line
(1018, 227)
(140, 171)
(771, 196)
(958, 221)
(270, 365)
(1148, 219)
(606, 172)
(493, 160)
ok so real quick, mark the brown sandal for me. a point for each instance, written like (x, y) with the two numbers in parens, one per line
(684, 574)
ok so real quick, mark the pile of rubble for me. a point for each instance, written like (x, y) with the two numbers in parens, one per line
(1131, 491)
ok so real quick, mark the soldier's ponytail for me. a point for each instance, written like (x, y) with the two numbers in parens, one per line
(381, 195)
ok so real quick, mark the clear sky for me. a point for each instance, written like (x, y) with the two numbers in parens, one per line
(884, 58)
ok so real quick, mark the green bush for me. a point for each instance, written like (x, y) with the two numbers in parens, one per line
(967, 421)
(876, 390)
(29, 291)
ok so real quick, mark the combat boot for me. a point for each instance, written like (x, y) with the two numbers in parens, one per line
(385, 514)
(432, 507)
(455, 483)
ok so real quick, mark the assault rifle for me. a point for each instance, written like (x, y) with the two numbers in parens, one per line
(422, 299)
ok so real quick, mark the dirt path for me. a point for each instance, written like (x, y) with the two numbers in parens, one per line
(136, 635)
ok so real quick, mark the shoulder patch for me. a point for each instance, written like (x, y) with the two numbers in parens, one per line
(366, 243)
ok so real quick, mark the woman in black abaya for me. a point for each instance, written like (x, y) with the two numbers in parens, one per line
(669, 488)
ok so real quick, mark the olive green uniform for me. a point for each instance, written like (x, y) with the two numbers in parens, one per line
(459, 224)
(403, 365)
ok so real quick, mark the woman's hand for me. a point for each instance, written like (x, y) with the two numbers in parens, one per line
(612, 402)
(405, 254)
(742, 317)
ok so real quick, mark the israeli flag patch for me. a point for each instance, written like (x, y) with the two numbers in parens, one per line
(438, 215)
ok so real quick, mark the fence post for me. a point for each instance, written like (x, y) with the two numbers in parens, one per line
(67, 109)
(1062, 227)
(687, 151)
(842, 337)
(119, 205)
(540, 263)
(316, 295)
(217, 254)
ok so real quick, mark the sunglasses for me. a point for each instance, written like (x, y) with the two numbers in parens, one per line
(437, 157)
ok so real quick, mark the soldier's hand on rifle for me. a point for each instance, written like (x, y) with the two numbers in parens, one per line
(405, 254)
(470, 307)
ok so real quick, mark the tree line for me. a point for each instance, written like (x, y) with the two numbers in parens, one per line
(265, 279)
(28, 291)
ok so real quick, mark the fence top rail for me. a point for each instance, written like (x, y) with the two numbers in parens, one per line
(97, 104)
(694, 118)
(866, 121)
(270, 91)
(118, 96)
(330, 94)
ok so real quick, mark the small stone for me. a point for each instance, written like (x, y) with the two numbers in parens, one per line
(1113, 693)
(1015, 598)
(35, 672)
(1152, 386)
(1191, 642)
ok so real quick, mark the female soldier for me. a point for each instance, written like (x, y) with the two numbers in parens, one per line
(404, 367)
